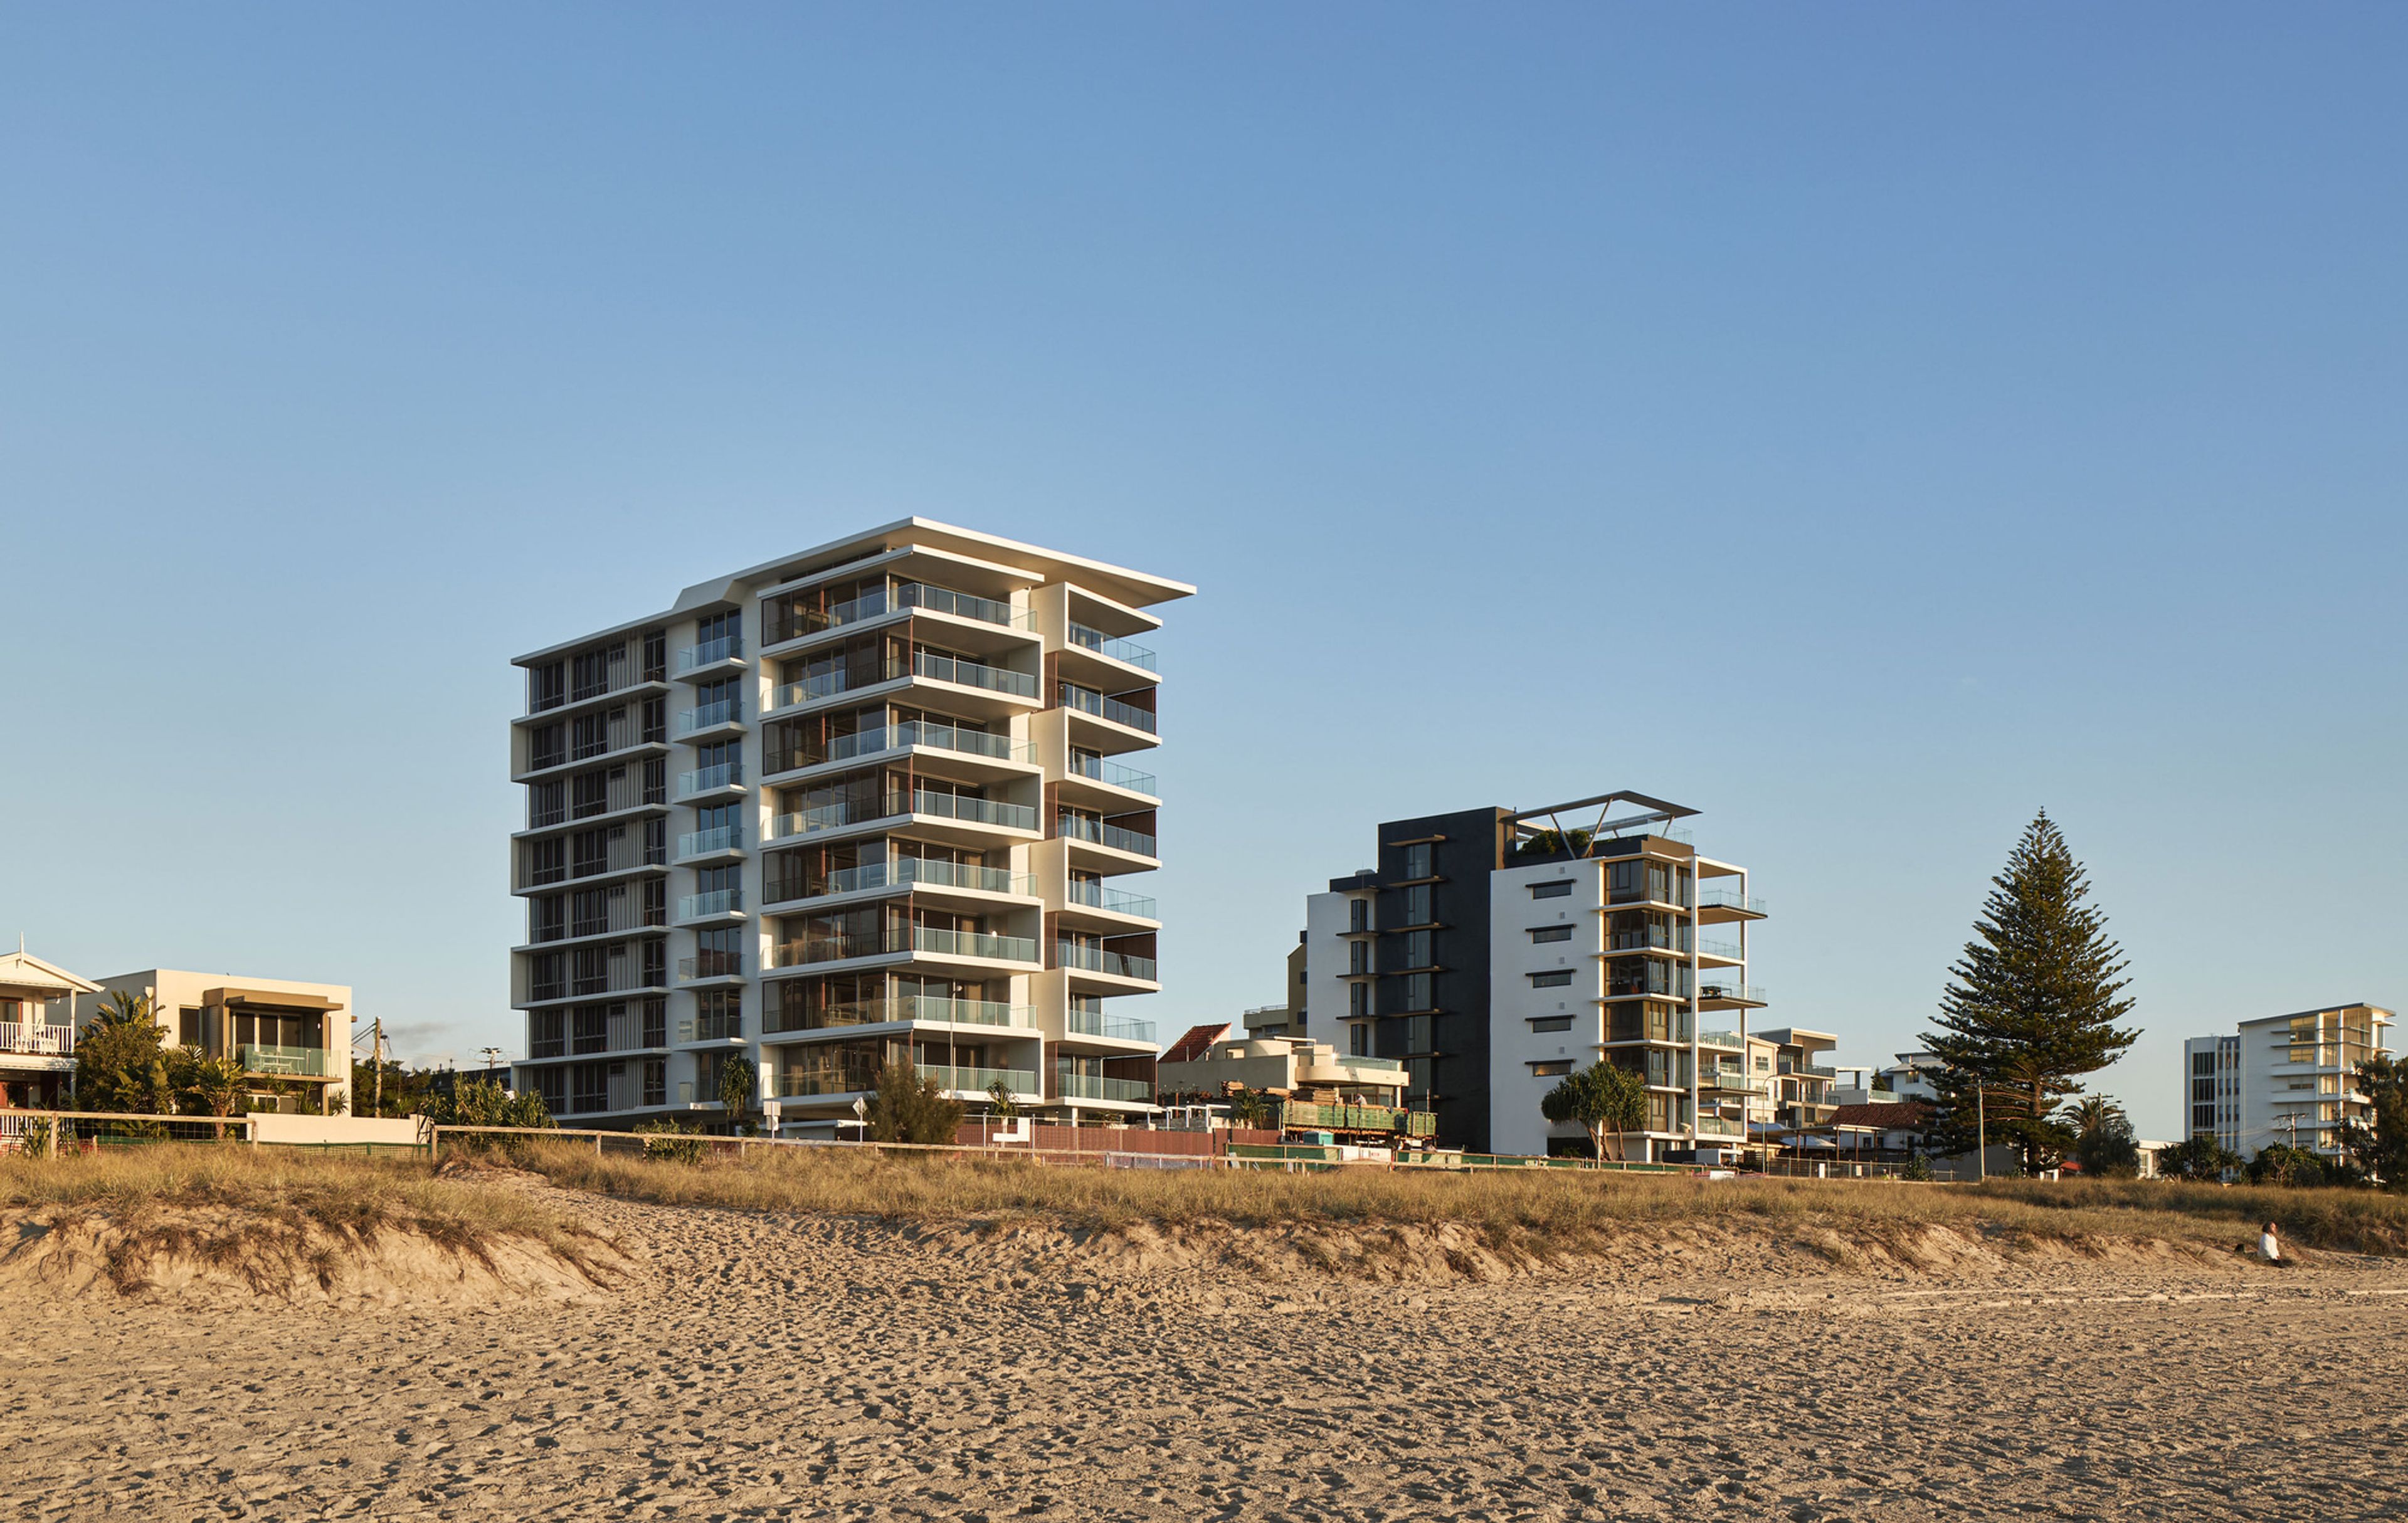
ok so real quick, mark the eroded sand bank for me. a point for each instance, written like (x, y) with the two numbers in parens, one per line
(757, 1366)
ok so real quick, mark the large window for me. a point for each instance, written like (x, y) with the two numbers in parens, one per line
(1417, 860)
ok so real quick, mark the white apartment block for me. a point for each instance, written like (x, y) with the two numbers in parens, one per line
(37, 1034)
(862, 802)
(1494, 952)
(2289, 1079)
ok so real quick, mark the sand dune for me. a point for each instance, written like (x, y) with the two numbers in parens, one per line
(770, 1366)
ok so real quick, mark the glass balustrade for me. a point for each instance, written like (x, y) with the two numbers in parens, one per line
(1118, 648)
(1094, 1022)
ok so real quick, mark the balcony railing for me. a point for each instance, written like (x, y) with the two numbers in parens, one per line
(979, 1081)
(1097, 960)
(967, 673)
(820, 947)
(1722, 1038)
(1118, 648)
(1809, 1070)
(950, 943)
(1088, 701)
(1719, 949)
(296, 1062)
(960, 603)
(959, 738)
(1078, 828)
(1117, 902)
(724, 838)
(1094, 1022)
(38, 1039)
(1096, 1086)
(1104, 769)
(1710, 987)
(710, 965)
(1716, 1127)
(908, 1007)
(1376, 1065)
(937, 873)
(719, 901)
(704, 778)
(1728, 899)
(710, 652)
(710, 715)
(962, 806)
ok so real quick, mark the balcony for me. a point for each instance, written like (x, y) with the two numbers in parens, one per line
(1809, 1070)
(1729, 1041)
(1709, 1126)
(1714, 994)
(285, 1062)
(1731, 1082)
(795, 624)
(957, 738)
(903, 1007)
(1111, 900)
(1103, 644)
(710, 779)
(1733, 904)
(949, 943)
(710, 965)
(1094, 1022)
(710, 652)
(962, 806)
(37, 1039)
(1111, 774)
(979, 1081)
(966, 673)
(710, 716)
(723, 901)
(724, 838)
(1078, 828)
(1097, 960)
(1095, 1086)
(1727, 951)
(907, 872)
(1088, 701)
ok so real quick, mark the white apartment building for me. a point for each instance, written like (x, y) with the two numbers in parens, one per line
(1494, 952)
(861, 802)
(2289, 1079)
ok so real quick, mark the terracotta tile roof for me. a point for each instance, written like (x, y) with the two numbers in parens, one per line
(1192, 1046)
(1898, 1116)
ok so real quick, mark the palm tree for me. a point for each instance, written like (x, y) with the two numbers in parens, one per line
(2090, 1115)
(124, 1008)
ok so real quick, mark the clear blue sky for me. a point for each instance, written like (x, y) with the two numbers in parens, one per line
(1865, 425)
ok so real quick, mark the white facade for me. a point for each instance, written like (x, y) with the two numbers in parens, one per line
(862, 802)
(2289, 1079)
(37, 1034)
(1556, 1002)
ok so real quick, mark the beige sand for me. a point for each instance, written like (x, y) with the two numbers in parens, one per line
(775, 1367)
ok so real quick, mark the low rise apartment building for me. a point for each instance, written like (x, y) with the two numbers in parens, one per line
(1282, 1066)
(862, 802)
(1493, 951)
(293, 1039)
(36, 1033)
(2289, 1079)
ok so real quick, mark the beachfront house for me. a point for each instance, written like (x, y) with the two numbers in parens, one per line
(293, 1039)
(37, 1034)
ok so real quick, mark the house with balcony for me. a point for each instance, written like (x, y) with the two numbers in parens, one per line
(872, 800)
(2289, 1079)
(293, 1039)
(37, 1034)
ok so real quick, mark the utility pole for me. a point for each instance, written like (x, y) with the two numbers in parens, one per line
(1981, 1134)
(376, 1063)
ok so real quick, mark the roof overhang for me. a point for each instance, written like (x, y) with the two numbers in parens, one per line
(234, 995)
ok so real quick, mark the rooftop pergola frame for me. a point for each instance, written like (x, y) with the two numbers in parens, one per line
(1657, 811)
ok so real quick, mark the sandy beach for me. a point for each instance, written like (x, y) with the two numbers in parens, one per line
(758, 1365)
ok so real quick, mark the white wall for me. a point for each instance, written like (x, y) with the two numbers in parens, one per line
(1514, 1124)
(1324, 967)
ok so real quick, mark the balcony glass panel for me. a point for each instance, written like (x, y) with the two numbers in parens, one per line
(1116, 900)
(718, 902)
(1094, 1022)
(1097, 1088)
(1118, 648)
(967, 673)
(1078, 828)
(724, 838)
(1104, 769)
(725, 648)
(1097, 960)
(301, 1062)
(725, 711)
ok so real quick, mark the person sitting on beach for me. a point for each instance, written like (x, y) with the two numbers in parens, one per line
(2268, 1248)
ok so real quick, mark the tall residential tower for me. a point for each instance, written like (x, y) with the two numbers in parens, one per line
(861, 802)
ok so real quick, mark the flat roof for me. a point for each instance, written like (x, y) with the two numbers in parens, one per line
(1135, 588)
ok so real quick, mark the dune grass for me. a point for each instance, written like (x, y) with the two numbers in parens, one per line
(1565, 1209)
(262, 1212)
